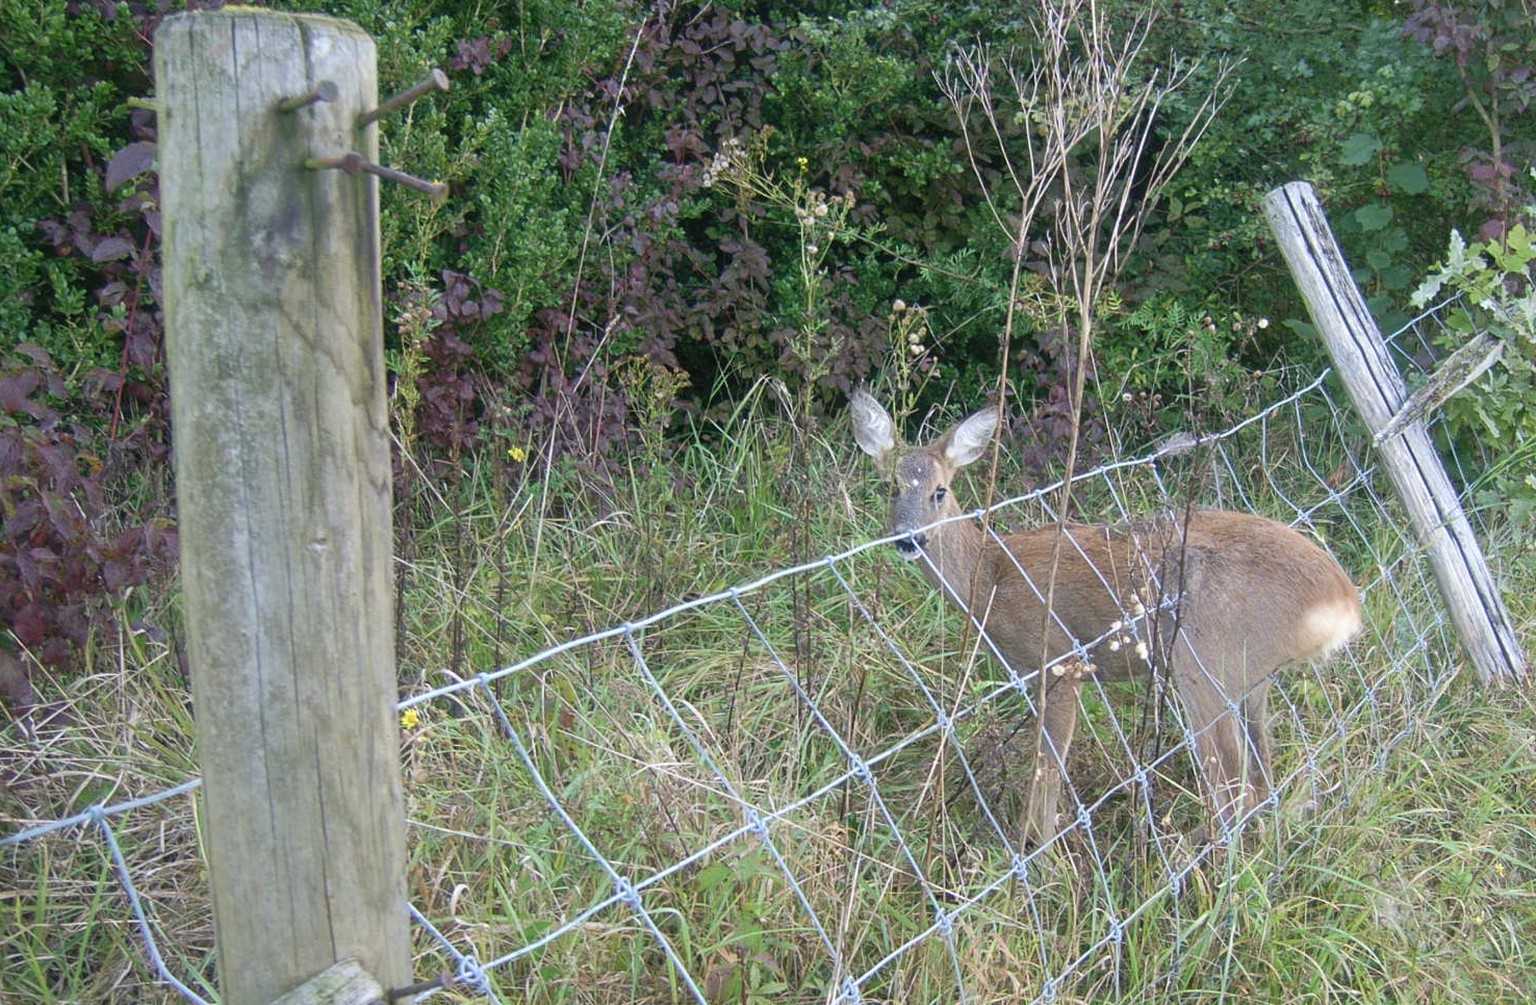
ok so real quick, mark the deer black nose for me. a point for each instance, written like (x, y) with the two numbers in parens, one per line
(911, 545)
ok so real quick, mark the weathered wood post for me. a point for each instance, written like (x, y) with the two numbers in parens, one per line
(1359, 353)
(271, 290)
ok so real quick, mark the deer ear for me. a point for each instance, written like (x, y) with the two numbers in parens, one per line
(872, 425)
(968, 441)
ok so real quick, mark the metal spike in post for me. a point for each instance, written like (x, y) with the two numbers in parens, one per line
(354, 162)
(325, 90)
(437, 80)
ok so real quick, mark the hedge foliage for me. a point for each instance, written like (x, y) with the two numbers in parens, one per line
(591, 250)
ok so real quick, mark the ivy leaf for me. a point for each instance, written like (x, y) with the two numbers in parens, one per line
(1358, 149)
(1408, 178)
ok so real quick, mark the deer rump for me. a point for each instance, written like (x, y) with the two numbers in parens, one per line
(1216, 602)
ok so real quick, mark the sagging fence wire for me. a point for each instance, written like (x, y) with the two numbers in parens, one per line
(820, 837)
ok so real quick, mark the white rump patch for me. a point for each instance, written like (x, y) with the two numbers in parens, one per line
(1330, 626)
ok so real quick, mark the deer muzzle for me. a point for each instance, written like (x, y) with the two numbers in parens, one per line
(911, 546)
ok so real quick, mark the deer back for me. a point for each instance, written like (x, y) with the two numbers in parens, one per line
(1246, 593)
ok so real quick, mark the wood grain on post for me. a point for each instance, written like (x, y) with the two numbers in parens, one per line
(1359, 353)
(273, 329)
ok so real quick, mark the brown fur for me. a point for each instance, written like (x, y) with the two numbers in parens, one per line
(1216, 600)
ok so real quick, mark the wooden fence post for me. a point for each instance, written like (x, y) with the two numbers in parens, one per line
(1359, 353)
(273, 329)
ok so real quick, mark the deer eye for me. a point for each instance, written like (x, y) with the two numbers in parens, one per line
(939, 494)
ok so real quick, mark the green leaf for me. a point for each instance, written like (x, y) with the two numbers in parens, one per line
(1515, 253)
(1358, 149)
(1408, 178)
(712, 876)
(1373, 216)
(1302, 328)
(1459, 320)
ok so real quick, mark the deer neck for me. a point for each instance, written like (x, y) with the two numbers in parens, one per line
(954, 565)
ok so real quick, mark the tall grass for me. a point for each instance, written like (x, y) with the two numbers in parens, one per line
(1409, 878)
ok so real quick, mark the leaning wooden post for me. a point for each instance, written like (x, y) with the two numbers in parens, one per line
(271, 291)
(1359, 353)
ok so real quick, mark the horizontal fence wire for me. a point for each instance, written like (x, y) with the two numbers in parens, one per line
(809, 783)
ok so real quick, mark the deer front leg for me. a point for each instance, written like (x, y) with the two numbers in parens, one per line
(1053, 737)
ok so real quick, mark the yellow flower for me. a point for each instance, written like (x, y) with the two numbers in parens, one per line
(804, 164)
(518, 454)
(410, 719)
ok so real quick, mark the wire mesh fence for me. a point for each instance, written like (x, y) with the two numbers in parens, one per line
(807, 787)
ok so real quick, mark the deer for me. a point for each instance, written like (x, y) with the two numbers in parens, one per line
(1214, 601)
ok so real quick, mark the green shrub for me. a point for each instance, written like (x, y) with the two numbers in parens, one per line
(580, 234)
(1334, 96)
(1496, 281)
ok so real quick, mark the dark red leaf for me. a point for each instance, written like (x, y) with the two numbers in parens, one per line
(110, 249)
(117, 575)
(15, 687)
(16, 392)
(128, 163)
(31, 625)
(56, 233)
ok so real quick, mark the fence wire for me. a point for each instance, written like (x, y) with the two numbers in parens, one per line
(806, 787)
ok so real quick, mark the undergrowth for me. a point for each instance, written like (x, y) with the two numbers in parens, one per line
(1409, 881)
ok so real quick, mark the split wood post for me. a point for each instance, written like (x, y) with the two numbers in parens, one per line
(273, 331)
(1359, 353)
